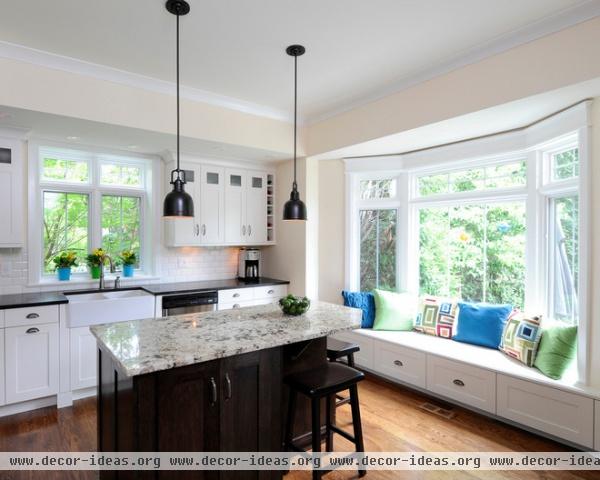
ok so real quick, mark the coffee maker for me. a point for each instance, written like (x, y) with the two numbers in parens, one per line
(249, 264)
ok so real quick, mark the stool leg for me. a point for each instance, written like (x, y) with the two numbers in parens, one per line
(316, 432)
(356, 423)
(328, 417)
(351, 360)
(291, 418)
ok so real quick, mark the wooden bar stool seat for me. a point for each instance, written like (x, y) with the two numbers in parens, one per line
(338, 350)
(317, 384)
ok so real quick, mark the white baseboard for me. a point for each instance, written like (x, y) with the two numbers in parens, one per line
(21, 407)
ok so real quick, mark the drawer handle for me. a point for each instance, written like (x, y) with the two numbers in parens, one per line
(227, 387)
(32, 330)
(458, 382)
(213, 391)
(236, 295)
(271, 292)
(398, 363)
(236, 305)
(33, 315)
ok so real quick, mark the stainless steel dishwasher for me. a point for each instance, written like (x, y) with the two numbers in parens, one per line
(183, 303)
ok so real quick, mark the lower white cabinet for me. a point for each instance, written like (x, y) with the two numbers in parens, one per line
(2, 396)
(464, 383)
(364, 357)
(250, 296)
(564, 414)
(84, 358)
(240, 304)
(597, 427)
(31, 362)
(401, 363)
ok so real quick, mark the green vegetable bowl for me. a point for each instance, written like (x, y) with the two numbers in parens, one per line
(292, 305)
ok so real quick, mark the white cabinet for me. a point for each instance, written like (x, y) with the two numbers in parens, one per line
(2, 395)
(597, 426)
(250, 296)
(11, 193)
(83, 358)
(210, 217)
(245, 207)
(564, 414)
(31, 362)
(401, 363)
(364, 357)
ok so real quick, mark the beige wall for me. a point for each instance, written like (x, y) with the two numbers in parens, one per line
(564, 58)
(332, 230)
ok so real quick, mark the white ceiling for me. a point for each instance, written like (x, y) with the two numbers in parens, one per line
(357, 50)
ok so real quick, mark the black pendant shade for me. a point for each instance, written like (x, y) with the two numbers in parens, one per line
(178, 203)
(294, 208)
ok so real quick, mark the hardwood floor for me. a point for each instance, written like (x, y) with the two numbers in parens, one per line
(392, 421)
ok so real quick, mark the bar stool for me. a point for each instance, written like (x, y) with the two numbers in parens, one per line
(317, 384)
(336, 350)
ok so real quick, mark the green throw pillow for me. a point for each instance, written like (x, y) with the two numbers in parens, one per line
(394, 311)
(558, 348)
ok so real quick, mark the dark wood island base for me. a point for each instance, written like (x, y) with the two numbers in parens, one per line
(233, 404)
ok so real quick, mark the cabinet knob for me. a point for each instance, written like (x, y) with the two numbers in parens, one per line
(271, 292)
(213, 391)
(203, 229)
(236, 305)
(458, 382)
(398, 363)
(33, 315)
(227, 387)
(197, 229)
(32, 330)
(243, 229)
(249, 230)
(236, 295)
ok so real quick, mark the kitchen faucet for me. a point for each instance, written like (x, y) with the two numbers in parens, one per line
(101, 285)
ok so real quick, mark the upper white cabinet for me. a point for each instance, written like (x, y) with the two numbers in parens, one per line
(231, 208)
(11, 193)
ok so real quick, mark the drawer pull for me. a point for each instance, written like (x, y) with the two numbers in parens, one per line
(213, 391)
(458, 382)
(227, 387)
(33, 315)
(32, 330)
(271, 292)
(398, 363)
(236, 305)
(235, 295)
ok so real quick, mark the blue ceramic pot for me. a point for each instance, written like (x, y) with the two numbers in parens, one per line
(64, 274)
(128, 270)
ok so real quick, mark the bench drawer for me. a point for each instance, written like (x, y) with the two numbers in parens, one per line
(364, 357)
(18, 317)
(236, 295)
(565, 415)
(402, 363)
(464, 383)
(273, 291)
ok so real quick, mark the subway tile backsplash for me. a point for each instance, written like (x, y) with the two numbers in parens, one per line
(172, 265)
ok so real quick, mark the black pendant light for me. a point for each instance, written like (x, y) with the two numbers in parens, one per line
(178, 203)
(294, 208)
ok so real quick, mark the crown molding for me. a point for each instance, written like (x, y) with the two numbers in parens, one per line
(72, 65)
(546, 26)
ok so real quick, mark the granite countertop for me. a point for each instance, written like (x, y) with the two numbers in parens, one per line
(152, 345)
(183, 287)
(19, 300)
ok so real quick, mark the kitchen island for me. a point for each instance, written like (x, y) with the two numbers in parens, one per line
(208, 381)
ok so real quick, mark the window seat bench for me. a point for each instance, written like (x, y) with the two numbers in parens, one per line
(483, 379)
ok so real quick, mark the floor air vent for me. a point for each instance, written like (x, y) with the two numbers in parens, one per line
(437, 410)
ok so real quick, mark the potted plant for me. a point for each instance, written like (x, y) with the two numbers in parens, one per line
(63, 264)
(95, 261)
(129, 259)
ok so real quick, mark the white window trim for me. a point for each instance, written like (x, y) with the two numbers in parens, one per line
(149, 195)
(534, 143)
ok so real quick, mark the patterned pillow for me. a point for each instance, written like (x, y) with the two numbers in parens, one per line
(521, 337)
(436, 316)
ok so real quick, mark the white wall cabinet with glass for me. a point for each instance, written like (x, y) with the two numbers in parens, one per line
(233, 206)
(11, 191)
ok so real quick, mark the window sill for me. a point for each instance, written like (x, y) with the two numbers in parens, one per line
(82, 281)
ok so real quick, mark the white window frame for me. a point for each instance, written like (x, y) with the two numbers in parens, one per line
(535, 145)
(147, 193)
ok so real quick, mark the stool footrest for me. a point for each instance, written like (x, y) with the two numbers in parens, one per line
(346, 435)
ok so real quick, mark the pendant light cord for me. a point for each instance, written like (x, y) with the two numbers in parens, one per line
(177, 69)
(295, 185)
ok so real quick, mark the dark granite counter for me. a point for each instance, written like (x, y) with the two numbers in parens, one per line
(185, 287)
(20, 300)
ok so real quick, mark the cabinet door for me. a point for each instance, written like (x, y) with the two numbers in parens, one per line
(212, 205)
(251, 407)
(83, 358)
(256, 207)
(183, 232)
(2, 397)
(11, 193)
(235, 212)
(188, 419)
(31, 362)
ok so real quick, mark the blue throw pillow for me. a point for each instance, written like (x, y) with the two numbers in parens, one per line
(363, 300)
(481, 323)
